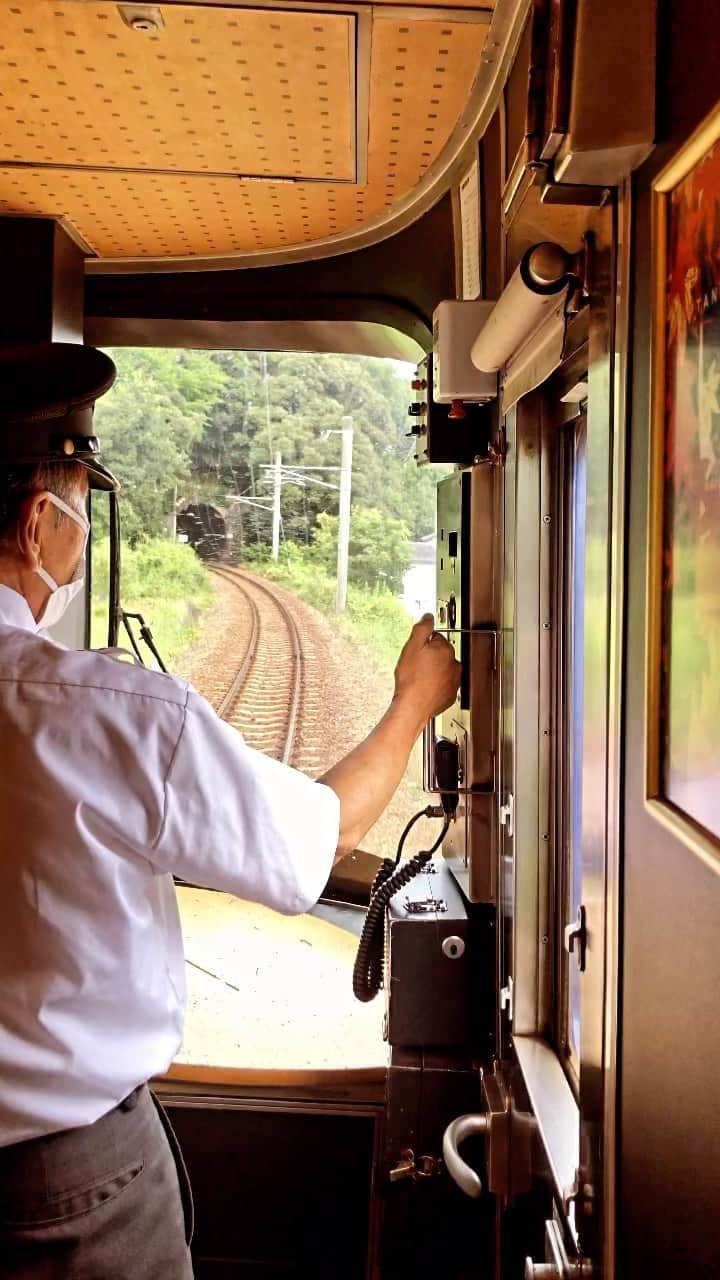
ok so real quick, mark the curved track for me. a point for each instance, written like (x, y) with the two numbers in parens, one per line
(264, 695)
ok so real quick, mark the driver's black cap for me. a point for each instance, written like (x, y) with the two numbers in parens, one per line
(47, 394)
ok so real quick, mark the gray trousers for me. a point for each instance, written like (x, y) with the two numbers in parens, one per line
(110, 1201)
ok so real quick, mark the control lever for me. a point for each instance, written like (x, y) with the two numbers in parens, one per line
(447, 773)
(441, 768)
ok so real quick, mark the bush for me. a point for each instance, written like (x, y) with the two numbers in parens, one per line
(374, 617)
(378, 553)
(164, 581)
(154, 569)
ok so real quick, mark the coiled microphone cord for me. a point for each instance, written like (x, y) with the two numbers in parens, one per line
(368, 971)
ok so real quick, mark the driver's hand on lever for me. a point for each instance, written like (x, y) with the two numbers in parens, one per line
(427, 678)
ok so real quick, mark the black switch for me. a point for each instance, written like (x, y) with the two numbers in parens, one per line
(452, 545)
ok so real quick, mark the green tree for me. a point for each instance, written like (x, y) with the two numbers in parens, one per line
(289, 401)
(378, 554)
(205, 426)
(147, 426)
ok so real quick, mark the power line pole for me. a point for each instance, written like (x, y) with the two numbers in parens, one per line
(277, 490)
(344, 515)
(253, 491)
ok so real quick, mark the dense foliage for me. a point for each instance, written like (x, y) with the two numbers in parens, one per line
(378, 553)
(374, 620)
(162, 580)
(204, 425)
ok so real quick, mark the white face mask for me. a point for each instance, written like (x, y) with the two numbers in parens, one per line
(61, 597)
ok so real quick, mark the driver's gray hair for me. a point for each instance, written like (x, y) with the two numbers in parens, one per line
(64, 479)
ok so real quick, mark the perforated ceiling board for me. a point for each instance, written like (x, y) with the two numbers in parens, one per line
(216, 90)
(144, 141)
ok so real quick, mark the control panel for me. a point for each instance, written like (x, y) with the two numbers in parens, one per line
(469, 564)
(457, 432)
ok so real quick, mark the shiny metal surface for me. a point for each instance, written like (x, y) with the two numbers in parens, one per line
(537, 420)
(600, 615)
(554, 1106)
(612, 110)
(541, 1270)
(469, 566)
(509, 1132)
(620, 390)
(531, 852)
(457, 1131)
(547, 263)
(557, 1265)
(506, 886)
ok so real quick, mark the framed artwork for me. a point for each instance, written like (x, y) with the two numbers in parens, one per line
(683, 737)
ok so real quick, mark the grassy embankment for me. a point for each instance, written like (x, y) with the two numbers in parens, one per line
(172, 588)
(373, 619)
(162, 580)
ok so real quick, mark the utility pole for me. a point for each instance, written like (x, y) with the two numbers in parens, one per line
(253, 491)
(277, 490)
(344, 515)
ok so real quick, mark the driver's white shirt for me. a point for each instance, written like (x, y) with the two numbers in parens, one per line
(112, 779)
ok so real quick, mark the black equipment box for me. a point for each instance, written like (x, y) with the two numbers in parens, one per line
(431, 969)
(441, 437)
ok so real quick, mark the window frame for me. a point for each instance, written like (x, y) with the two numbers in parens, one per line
(568, 627)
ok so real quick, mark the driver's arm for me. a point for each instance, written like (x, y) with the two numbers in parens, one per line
(427, 678)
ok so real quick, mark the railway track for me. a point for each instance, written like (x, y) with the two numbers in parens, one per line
(263, 694)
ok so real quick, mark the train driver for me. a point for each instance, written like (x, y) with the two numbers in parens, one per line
(112, 778)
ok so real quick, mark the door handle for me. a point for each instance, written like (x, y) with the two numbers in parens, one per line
(457, 1131)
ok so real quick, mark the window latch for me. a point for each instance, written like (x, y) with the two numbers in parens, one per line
(507, 815)
(576, 938)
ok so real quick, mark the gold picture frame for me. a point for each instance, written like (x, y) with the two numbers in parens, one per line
(701, 149)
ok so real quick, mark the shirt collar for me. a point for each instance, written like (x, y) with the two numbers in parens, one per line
(15, 610)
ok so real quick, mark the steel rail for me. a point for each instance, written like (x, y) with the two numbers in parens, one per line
(243, 671)
(236, 576)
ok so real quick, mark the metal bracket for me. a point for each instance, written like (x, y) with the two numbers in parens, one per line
(415, 1168)
(425, 906)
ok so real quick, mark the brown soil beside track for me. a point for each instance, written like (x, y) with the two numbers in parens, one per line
(345, 692)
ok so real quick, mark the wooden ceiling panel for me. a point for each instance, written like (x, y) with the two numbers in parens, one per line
(216, 90)
(148, 155)
(422, 73)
